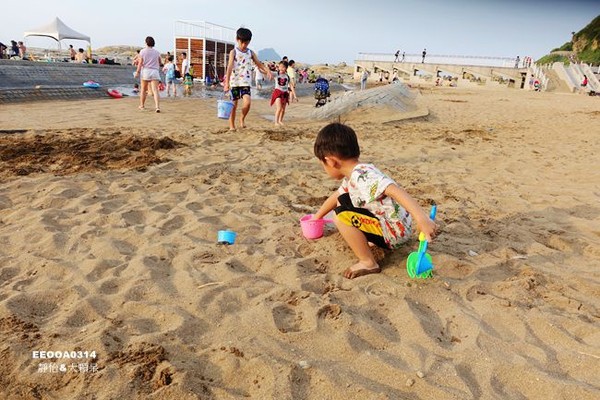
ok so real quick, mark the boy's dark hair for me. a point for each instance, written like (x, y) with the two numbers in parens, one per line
(337, 140)
(171, 58)
(244, 35)
(150, 41)
(184, 54)
(285, 63)
(291, 63)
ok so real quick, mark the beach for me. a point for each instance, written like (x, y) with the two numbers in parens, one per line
(108, 226)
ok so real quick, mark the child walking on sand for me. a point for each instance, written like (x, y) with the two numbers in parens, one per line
(281, 94)
(371, 209)
(188, 84)
(238, 77)
(169, 71)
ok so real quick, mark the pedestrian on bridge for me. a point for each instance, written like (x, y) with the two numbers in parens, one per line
(397, 54)
(424, 54)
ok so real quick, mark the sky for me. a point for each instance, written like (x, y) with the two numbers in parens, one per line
(320, 31)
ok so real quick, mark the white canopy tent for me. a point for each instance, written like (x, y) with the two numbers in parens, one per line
(58, 31)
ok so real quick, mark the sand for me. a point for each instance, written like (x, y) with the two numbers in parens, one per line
(108, 225)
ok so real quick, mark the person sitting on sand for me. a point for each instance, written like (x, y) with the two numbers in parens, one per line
(371, 209)
(584, 83)
(80, 56)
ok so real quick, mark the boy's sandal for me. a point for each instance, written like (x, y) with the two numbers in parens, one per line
(158, 110)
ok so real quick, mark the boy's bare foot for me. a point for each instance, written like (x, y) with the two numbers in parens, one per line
(360, 269)
(378, 253)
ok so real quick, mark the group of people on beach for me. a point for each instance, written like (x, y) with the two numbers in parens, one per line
(242, 63)
(371, 209)
(79, 56)
(16, 50)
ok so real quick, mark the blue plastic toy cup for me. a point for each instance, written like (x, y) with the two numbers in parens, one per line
(226, 237)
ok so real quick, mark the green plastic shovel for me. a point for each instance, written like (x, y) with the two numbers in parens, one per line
(418, 263)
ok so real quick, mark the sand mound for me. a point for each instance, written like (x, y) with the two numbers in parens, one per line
(394, 102)
(64, 152)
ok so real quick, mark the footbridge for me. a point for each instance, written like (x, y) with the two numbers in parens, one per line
(442, 65)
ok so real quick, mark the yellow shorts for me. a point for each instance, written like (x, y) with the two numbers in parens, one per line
(362, 219)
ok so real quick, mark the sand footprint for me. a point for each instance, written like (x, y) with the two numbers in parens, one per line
(103, 266)
(28, 307)
(299, 383)
(287, 319)
(133, 217)
(173, 225)
(329, 311)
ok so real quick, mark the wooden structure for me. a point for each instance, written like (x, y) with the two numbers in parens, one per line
(207, 47)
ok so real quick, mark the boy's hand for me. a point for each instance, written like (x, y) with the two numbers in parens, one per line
(428, 227)
(226, 87)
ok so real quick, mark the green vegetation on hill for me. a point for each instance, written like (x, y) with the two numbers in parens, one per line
(552, 58)
(565, 47)
(585, 44)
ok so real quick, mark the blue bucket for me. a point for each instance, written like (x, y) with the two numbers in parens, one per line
(226, 237)
(224, 108)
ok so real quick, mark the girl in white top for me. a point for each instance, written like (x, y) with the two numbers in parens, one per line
(149, 65)
(281, 93)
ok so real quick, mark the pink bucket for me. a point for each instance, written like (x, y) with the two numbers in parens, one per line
(312, 228)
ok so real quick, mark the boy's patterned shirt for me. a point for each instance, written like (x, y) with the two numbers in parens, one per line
(366, 188)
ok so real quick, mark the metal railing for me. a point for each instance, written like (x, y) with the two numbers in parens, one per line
(202, 29)
(482, 61)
